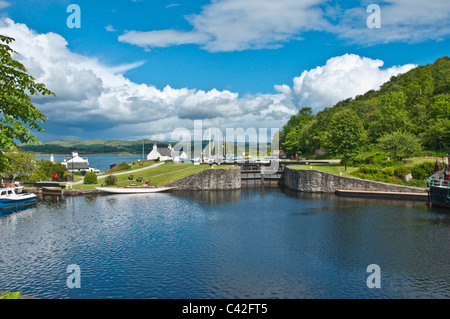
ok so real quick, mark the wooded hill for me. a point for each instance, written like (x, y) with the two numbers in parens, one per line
(415, 104)
(94, 146)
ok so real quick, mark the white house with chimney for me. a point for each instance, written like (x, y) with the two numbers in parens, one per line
(78, 164)
(166, 154)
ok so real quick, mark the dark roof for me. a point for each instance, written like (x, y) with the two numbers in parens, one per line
(77, 165)
(164, 151)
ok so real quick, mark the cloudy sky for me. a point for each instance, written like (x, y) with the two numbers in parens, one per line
(142, 68)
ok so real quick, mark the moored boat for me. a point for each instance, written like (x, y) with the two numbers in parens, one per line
(438, 185)
(439, 192)
(10, 199)
(133, 189)
(16, 185)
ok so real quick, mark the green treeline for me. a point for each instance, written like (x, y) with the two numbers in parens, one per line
(104, 147)
(409, 111)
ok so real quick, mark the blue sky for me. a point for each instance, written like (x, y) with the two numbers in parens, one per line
(142, 68)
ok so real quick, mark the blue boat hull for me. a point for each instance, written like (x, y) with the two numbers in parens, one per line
(6, 203)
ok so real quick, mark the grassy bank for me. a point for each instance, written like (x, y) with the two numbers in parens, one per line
(157, 176)
(388, 171)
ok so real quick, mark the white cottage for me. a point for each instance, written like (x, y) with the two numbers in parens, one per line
(77, 163)
(165, 154)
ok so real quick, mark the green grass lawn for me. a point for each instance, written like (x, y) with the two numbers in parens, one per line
(157, 176)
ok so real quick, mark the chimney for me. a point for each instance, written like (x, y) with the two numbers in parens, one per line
(154, 146)
(75, 154)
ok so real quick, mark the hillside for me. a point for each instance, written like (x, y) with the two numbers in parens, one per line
(94, 146)
(416, 103)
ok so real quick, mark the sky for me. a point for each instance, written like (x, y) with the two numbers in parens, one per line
(133, 69)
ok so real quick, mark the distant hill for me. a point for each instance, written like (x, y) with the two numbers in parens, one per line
(94, 146)
(416, 102)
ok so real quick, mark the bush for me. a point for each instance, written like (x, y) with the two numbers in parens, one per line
(369, 169)
(9, 295)
(422, 170)
(390, 171)
(401, 172)
(90, 178)
(122, 166)
(110, 180)
(374, 158)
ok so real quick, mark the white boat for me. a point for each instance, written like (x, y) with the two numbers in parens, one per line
(16, 185)
(10, 199)
(133, 189)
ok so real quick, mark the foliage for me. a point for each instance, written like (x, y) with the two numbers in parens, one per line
(90, 178)
(18, 115)
(417, 102)
(110, 180)
(19, 164)
(122, 166)
(422, 170)
(9, 295)
(345, 134)
(119, 167)
(399, 145)
(45, 169)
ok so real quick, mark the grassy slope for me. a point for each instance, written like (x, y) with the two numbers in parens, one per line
(158, 176)
(340, 169)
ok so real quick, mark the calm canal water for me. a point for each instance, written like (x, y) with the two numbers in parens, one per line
(235, 244)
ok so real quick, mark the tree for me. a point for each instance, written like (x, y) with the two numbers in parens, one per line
(45, 169)
(18, 114)
(399, 145)
(20, 164)
(345, 134)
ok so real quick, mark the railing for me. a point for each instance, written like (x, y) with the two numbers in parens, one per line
(438, 182)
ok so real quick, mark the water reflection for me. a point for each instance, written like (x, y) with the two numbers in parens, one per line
(261, 243)
(210, 197)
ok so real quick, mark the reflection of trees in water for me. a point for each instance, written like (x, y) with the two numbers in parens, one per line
(211, 197)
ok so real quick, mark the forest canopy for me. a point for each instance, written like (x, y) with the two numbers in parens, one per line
(415, 104)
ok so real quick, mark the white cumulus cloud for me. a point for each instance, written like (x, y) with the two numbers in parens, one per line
(96, 100)
(235, 25)
(340, 78)
(91, 96)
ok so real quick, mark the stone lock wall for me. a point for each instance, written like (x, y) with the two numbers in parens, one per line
(210, 179)
(313, 181)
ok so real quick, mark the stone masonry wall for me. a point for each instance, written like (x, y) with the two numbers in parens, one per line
(313, 181)
(210, 179)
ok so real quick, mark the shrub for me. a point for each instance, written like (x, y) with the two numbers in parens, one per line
(401, 172)
(90, 178)
(422, 170)
(110, 180)
(390, 171)
(9, 295)
(369, 169)
(374, 158)
(122, 166)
